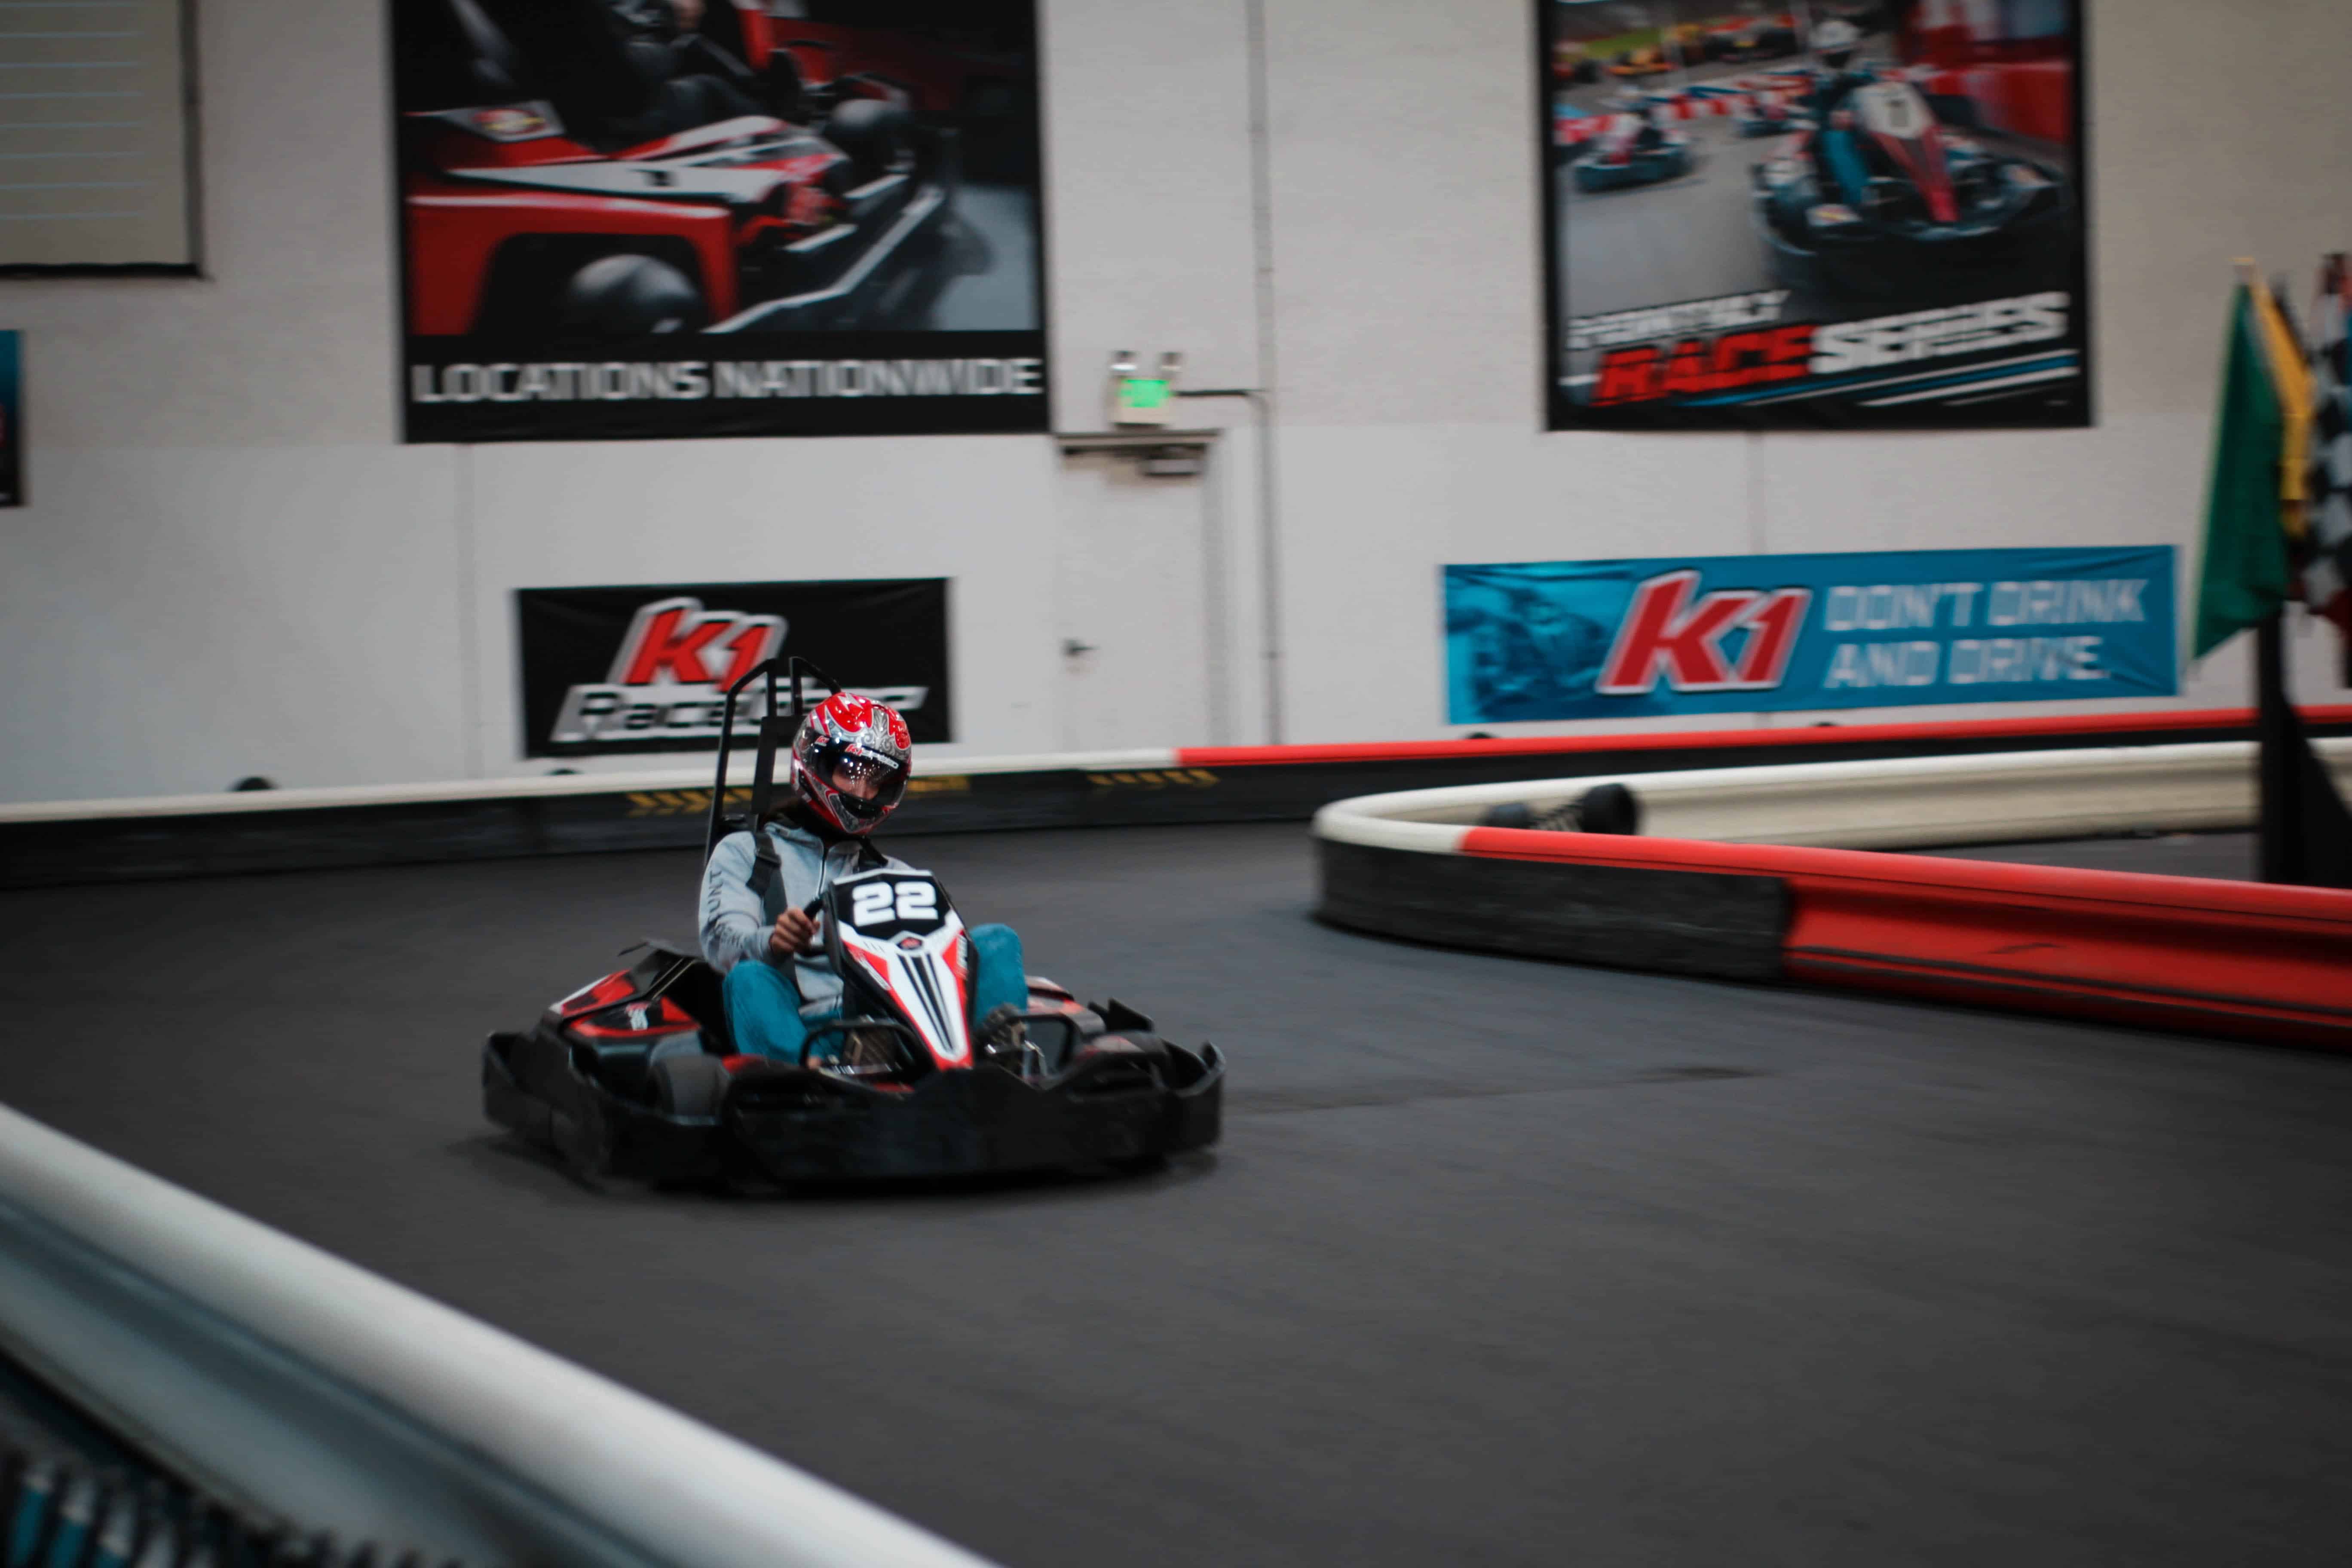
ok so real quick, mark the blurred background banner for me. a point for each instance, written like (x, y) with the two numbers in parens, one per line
(615, 671)
(628, 218)
(1601, 639)
(1836, 214)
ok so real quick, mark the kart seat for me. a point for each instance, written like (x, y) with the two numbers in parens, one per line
(694, 987)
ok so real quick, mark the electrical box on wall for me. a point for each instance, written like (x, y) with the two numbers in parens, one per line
(1141, 401)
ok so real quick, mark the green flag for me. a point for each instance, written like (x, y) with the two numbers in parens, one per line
(2245, 576)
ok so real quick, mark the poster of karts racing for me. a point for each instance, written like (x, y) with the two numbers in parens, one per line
(1835, 216)
(661, 219)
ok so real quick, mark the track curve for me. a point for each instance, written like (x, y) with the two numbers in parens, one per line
(1500, 1262)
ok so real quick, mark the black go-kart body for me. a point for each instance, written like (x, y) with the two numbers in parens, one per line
(1933, 208)
(579, 1084)
(637, 1074)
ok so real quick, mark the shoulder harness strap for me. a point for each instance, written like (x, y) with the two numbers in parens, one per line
(765, 861)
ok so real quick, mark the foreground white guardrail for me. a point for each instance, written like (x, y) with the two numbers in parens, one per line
(301, 1386)
(1909, 803)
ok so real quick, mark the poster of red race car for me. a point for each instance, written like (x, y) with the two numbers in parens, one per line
(1849, 214)
(634, 218)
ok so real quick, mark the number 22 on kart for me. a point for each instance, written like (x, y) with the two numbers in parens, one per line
(878, 903)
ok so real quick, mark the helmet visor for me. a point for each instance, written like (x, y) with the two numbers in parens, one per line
(865, 783)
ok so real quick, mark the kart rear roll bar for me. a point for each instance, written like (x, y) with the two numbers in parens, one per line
(290, 1383)
(772, 734)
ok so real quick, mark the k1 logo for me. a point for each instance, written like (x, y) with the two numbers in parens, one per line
(670, 642)
(1662, 633)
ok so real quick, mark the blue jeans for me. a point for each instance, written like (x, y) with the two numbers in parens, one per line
(1844, 160)
(764, 1011)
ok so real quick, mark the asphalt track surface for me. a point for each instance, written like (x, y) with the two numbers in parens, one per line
(986, 266)
(1500, 1262)
(1690, 238)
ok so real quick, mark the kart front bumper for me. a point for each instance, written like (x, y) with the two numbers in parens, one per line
(2020, 250)
(794, 1125)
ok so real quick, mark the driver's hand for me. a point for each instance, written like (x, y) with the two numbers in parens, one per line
(796, 931)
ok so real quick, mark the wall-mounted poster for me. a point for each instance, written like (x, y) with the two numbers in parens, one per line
(718, 218)
(1725, 634)
(1847, 214)
(609, 671)
(12, 419)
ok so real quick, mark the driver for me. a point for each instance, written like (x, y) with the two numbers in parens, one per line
(849, 767)
(1835, 43)
(1646, 134)
(687, 81)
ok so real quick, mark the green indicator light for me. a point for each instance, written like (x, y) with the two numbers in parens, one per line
(1142, 392)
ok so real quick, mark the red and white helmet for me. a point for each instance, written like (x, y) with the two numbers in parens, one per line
(856, 739)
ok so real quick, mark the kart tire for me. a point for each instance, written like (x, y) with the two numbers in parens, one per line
(871, 131)
(1609, 808)
(628, 295)
(689, 1085)
(584, 1138)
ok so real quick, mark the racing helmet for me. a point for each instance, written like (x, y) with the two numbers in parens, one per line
(1835, 41)
(860, 741)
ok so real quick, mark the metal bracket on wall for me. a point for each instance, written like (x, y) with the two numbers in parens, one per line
(1135, 442)
(1159, 454)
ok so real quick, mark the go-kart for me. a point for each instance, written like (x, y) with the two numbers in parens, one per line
(637, 1074)
(1752, 39)
(1570, 64)
(1650, 60)
(1631, 152)
(1895, 202)
(554, 182)
(1770, 112)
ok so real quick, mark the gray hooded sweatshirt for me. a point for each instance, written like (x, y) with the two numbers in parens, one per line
(736, 920)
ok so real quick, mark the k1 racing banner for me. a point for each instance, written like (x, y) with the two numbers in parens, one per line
(1858, 215)
(1619, 639)
(609, 671)
(718, 217)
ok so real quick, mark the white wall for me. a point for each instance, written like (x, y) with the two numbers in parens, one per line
(228, 564)
(1411, 379)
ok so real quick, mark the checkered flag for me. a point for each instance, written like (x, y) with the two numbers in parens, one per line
(2324, 554)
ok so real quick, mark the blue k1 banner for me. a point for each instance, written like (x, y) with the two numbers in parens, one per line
(1602, 639)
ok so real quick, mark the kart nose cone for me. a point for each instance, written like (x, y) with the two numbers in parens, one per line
(810, 1127)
